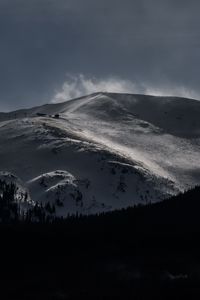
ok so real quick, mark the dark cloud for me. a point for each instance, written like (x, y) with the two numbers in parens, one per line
(150, 42)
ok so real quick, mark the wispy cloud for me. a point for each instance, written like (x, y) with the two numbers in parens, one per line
(81, 85)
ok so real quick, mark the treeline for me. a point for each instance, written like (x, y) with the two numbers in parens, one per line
(9, 209)
(178, 213)
(144, 252)
(15, 207)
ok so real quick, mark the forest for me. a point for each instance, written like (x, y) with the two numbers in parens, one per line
(143, 252)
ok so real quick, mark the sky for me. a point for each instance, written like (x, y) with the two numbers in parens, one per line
(54, 50)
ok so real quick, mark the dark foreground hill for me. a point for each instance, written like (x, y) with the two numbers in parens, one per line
(146, 252)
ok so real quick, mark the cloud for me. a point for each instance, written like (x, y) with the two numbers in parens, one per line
(80, 85)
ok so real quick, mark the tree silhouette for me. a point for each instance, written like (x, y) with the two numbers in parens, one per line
(9, 209)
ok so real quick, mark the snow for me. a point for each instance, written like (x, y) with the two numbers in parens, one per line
(105, 152)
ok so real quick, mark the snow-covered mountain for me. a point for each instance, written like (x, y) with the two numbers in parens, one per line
(103, 151)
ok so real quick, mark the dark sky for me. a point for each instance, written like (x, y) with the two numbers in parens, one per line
(56, 49)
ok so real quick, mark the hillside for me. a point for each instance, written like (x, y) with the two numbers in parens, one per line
(103, 152)
(145, 252)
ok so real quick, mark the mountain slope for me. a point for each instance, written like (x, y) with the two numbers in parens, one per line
(104, 152)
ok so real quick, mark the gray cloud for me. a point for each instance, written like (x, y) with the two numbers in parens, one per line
(153, 43)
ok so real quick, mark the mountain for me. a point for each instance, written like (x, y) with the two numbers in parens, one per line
(102, 152)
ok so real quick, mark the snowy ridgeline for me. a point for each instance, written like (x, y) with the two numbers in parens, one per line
(99, 153)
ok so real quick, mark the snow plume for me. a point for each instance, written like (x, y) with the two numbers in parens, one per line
(178, 91)
(80, 85)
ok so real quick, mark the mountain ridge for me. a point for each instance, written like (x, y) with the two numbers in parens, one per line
(101, 93)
